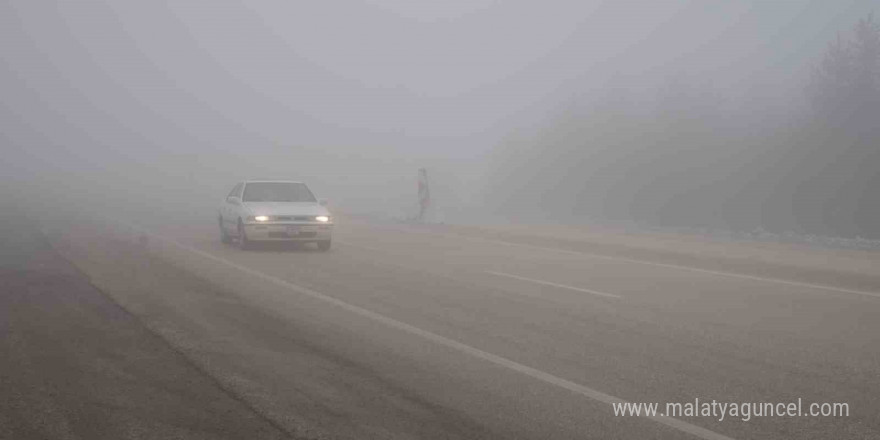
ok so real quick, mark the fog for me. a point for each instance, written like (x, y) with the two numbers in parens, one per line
(675, 113)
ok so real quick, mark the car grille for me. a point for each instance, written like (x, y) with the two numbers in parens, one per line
(286, 235)
(301, 218)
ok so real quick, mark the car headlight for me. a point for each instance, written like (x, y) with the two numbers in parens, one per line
(262, 218)
(322, 218)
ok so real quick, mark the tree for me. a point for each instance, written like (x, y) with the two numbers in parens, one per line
(847, 79)
(866, 54)
(842, 152)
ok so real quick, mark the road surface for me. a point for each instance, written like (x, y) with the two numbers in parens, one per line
(438, 332)
(74, 365)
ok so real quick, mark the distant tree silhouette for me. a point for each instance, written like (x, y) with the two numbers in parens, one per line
(841, 191)
(846, 80)
(691, 160)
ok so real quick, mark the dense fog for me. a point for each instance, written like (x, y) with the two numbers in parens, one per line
(731, 115)
(693, 154)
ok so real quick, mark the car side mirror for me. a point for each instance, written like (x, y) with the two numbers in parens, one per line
(233, 200)
(322, 202)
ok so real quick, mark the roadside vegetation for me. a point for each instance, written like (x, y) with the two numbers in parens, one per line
(696, 157)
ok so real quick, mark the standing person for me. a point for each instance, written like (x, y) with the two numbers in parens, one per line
(424, 194)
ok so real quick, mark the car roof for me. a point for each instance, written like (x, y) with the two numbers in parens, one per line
(270, 181)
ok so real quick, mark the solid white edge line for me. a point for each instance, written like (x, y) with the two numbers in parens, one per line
(667, 265)
(450, 343)
(549, 283)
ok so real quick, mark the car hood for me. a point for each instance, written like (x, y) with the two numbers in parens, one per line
(285, 208)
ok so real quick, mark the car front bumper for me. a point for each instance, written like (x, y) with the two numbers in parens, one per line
(288, 232)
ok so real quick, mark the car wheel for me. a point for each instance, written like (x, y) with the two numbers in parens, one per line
(224, 236)
(243, 242)
(324, 245)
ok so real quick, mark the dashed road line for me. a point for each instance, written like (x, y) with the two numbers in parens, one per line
(549, 283)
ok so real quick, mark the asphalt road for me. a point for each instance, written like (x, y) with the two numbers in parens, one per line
(414, 332)
(74, 365)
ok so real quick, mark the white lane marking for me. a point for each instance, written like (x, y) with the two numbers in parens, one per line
(534, 373)
(530, 295)
(548, 283)
(666, 265)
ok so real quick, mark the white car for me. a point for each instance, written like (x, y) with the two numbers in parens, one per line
(274, 210)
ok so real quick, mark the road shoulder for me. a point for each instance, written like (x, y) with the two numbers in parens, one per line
(73, 364)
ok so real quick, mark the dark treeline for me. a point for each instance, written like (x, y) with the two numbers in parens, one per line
(690, 158)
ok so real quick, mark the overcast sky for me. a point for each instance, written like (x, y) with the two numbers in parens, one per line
(405, 80)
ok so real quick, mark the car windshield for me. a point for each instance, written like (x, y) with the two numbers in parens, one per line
(277, 192)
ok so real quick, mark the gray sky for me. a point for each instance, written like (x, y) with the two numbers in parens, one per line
(387, 83)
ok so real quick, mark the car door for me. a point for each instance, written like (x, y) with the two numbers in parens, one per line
(229, 209)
